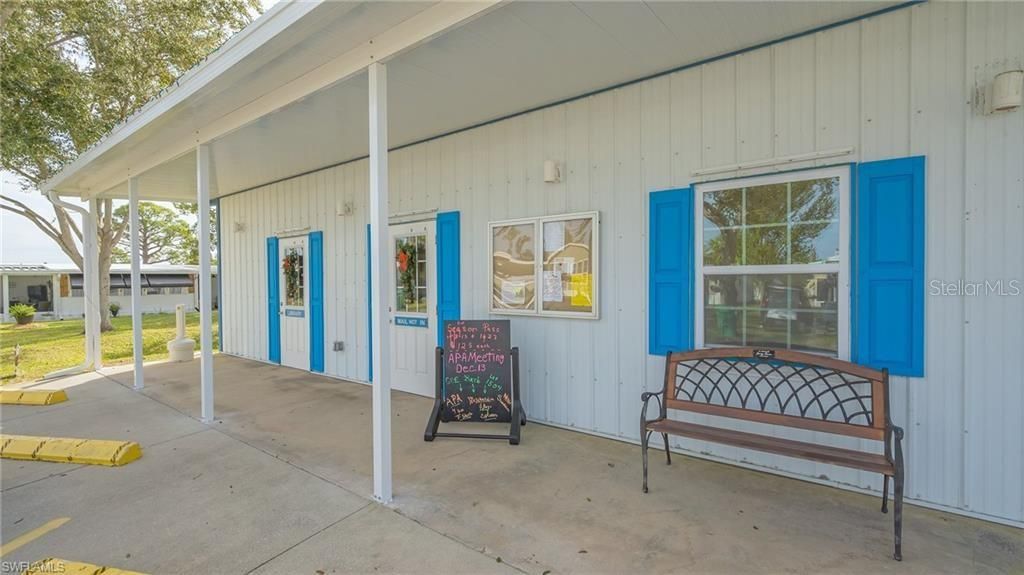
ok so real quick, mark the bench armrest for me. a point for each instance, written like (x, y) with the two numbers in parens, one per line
(646, 398)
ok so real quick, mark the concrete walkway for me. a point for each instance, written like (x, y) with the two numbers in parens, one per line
(280, 483)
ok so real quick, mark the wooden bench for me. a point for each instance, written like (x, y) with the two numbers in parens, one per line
(784, 388)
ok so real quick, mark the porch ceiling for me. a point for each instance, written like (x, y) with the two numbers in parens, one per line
(515, 57)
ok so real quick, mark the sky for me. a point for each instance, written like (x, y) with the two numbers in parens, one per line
(21, 242)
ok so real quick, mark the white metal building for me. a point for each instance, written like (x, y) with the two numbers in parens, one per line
(57, 291)
(520, 158)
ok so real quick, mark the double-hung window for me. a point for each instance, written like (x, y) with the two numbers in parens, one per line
(772, 261)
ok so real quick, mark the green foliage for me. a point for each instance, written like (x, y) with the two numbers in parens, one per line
(164, 237)
(71, 70)
(191, 247)
(53, 345)
(22, 311)
(114, 308)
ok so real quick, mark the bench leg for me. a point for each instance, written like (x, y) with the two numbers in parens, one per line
(885, 494)
(897, 515)
(668, 454)
(645, 437)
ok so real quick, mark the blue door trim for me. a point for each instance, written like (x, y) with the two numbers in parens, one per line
(316, 301)
(449, 274)
(273, 303)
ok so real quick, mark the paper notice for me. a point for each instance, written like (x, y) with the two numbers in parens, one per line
(553, 286)
(513, 293)
(554, 236)
(579, 285)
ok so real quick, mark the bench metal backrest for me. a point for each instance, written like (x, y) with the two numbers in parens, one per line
(781, 387)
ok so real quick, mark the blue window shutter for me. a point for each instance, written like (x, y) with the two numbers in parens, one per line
(316, 301)
(448, 271)
(889, 289)
(670, 272)
(369, 306)
(273, 303)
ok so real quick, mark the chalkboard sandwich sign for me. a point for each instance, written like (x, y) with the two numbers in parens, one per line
(477, 377)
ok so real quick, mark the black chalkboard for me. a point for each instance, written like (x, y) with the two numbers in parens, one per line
(477, 372)
(477, 380)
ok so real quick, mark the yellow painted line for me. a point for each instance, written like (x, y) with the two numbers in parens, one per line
(54, 565)
(69, 450)
(30, 397)
(32, 535)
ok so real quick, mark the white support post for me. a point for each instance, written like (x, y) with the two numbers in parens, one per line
(205, 308)
(91, 285)
(5, 287)
(136, 255)
(379, 295)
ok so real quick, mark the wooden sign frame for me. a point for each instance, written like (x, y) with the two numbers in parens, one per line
(518, 418)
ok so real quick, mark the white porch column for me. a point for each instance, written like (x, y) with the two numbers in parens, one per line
(379, 295)
(91, 285)
(136, 254)
(205, 309)
(5, 287)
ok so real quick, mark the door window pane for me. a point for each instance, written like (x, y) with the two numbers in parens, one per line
(512, 253)
(293, 266)
(411, 274)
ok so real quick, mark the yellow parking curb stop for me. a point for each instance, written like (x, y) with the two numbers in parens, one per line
(29, 397)
(69, 450)
(54, 565)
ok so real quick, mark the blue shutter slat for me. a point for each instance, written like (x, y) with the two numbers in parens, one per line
(670, 272)
(273, 303)
(889, 290)
(448, 271)
(316, 301)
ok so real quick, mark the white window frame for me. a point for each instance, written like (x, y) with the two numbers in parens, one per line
(845, 175)
(538, 265)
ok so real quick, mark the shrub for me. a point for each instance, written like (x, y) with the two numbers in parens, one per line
(23, 313)
(114, 308)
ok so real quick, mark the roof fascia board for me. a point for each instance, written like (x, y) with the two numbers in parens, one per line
(406, 35)
(242, 44)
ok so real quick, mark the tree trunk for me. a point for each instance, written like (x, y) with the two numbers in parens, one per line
(105, 324)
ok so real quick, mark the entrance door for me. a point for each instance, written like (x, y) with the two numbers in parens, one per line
(413, 307)
(294, 303)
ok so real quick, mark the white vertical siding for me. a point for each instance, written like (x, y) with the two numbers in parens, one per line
(904, 83)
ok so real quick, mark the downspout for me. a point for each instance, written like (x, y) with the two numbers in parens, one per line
(91, 318)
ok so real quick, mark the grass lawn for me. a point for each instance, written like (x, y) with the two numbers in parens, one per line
(51, 345)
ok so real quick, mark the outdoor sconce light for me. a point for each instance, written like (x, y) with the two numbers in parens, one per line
(551, 172)
(1006, 91)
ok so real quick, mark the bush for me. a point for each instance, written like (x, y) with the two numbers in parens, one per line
(114, 308)
(23, 313)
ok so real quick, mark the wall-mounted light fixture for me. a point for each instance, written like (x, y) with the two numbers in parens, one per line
(1006, 91)
(344, 209)
(239, 227)
(552, 173)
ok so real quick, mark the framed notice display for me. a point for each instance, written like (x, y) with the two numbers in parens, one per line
(545, 266)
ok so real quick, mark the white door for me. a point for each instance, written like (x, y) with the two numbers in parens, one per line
(294, 303)
(413, 307)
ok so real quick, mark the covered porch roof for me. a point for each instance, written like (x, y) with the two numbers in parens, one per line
(288, 94)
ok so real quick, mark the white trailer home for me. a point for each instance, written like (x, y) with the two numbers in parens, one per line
(57, 291)
(621, 180)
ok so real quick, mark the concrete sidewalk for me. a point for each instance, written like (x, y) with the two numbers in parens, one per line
(280, 483)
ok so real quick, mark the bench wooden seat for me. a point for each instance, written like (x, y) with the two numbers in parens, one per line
(782, 388)
(812, 451)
